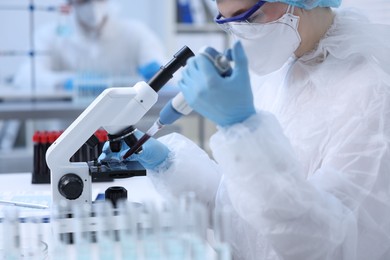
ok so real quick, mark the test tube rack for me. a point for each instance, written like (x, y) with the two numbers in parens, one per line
(142, 231)
(42, 140)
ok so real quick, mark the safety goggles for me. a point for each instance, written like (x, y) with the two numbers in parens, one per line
(256, 23)
(252, 15)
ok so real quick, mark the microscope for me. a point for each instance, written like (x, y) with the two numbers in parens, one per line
(116, 110)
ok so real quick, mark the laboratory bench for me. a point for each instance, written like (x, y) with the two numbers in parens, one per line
(139, 188)
(42, 233)
(17, 187)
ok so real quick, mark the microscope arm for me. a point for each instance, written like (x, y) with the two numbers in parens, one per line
(114, 110)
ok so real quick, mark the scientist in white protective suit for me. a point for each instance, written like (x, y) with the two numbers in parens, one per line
(94, 43)
(302, 156)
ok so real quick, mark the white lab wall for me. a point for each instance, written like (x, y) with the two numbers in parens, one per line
(158, 15)
(15, 31)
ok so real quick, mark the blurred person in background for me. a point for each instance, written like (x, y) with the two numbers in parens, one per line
(94, 42)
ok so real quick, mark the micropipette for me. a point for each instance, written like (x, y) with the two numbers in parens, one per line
(178, 107)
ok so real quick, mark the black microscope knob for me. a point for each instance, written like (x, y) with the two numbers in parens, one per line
(116, 193)
(71, 186)
(115, 146)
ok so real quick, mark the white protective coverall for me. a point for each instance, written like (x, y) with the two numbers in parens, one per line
(308, 176)
(121, 48)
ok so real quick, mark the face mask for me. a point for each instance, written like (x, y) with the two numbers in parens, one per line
(268, 46)
(92, 14)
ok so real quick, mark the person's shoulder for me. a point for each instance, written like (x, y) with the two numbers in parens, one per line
(47, 34)
(354, 38)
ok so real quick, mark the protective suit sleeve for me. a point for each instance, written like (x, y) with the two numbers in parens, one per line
(48, 80)
(315, 218)
(190, 169)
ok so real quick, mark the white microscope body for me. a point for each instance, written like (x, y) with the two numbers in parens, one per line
(114, 110)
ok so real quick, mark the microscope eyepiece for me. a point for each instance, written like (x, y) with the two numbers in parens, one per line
(166, 72)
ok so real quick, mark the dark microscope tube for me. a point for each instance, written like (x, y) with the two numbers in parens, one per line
(166, 72)
(163, 76)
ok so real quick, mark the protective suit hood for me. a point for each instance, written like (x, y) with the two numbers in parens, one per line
(306, 177)
(310, 4)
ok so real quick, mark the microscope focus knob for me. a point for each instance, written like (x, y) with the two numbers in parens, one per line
(70, 186)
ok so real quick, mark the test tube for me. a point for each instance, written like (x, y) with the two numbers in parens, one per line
(105, 233)
(195, 226)
(37, 158)
(11, 234)
(59, 214)
(45, 145)
(171, 243)
(222, 224)
(32, 243)
(128, 223)
(83, 235)
(149, 232)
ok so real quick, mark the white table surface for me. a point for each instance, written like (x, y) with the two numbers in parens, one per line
(17, 186)
(139, 189)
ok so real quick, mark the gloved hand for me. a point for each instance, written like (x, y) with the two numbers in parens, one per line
(154, 153)
(68, 85)
(223, 100)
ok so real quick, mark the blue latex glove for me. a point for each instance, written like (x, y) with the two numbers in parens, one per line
(154, 153)
(223, 100)
(68, 85)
